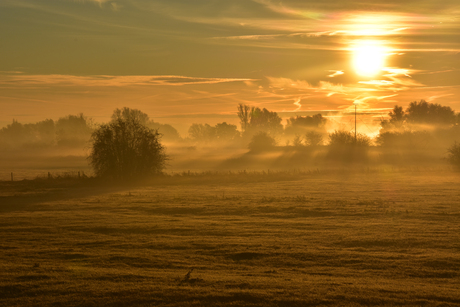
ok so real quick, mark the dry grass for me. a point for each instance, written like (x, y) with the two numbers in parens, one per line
(336, 239)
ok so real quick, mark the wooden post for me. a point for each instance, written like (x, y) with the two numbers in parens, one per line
(12, 176)
(49, 175)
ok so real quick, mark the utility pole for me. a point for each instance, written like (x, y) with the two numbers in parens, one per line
(355, 122)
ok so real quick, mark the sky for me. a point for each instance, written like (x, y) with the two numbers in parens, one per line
(184, 62)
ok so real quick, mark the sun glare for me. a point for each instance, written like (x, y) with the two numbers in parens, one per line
(369, 58)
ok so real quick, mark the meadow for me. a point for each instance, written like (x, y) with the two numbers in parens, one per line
(368, 237)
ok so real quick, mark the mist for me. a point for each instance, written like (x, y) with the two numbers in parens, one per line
(260, 143)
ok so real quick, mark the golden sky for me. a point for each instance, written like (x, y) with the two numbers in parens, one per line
(184, 61)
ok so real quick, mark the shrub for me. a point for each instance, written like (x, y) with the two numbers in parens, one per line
(345, 138)
(453, 154)
(126, 149)
(313, 138)
(297, 142)
(405, 139)
(344, 146)
(261, 141)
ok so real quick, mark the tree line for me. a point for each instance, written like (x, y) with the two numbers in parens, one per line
(72, 131)
(131, 143)
(420, 124)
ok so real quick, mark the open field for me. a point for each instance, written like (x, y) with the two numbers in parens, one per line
(386, 238)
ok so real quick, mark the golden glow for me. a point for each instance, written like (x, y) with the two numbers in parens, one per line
(369, 58)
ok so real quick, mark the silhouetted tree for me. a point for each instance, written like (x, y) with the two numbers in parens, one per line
(45, 132)
(126, 149)
(404, 139)
(261, 141)
(345, 138)
(419, 113)
(396, 121)
(15, 134)
(221, 132)
(297, 141)
(127, 114)
(244, 114)
(453, 154)
(254, 120)
(343, 146)
(429, 113)
(168, 132)
(202, 132)
(34, 134)
(73, 130)
(264, 120)
(302, 124)
(226, 132)
(313, 138)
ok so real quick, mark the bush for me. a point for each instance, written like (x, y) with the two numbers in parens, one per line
(347, 139)
(313, 138)
(405, 139)
(453, 154)
(126, 149)
(344, 146)
(261, 141)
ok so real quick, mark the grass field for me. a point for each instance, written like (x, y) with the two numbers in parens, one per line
(370, 238)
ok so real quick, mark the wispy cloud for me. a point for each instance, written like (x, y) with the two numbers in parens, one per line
(104, 80)
(335, 73)
(297, 103)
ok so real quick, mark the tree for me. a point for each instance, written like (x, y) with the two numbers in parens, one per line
(168, 132)
(254, 120)
(313, 138)
(396, 121)
(126, 149)
(221, 132)
(73, 130)
(297, 141)
(15, 134)
(405, 139)
(264, 120)
(345, 138)
(429, 113)
(453, 154)
(419, 113)
(202, 133)
(226, 132)
(128, 114)
(261, 141)
(302, 124)
(45, 132)
(345, 147)
(397, 115)
(244, 116)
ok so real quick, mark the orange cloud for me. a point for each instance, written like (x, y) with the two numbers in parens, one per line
(105, 80)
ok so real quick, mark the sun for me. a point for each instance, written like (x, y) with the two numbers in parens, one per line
(369, 58)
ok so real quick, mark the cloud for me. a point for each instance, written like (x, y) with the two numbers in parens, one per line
(98, 2)
(110, 81)
(335, 73)
(297, 103)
